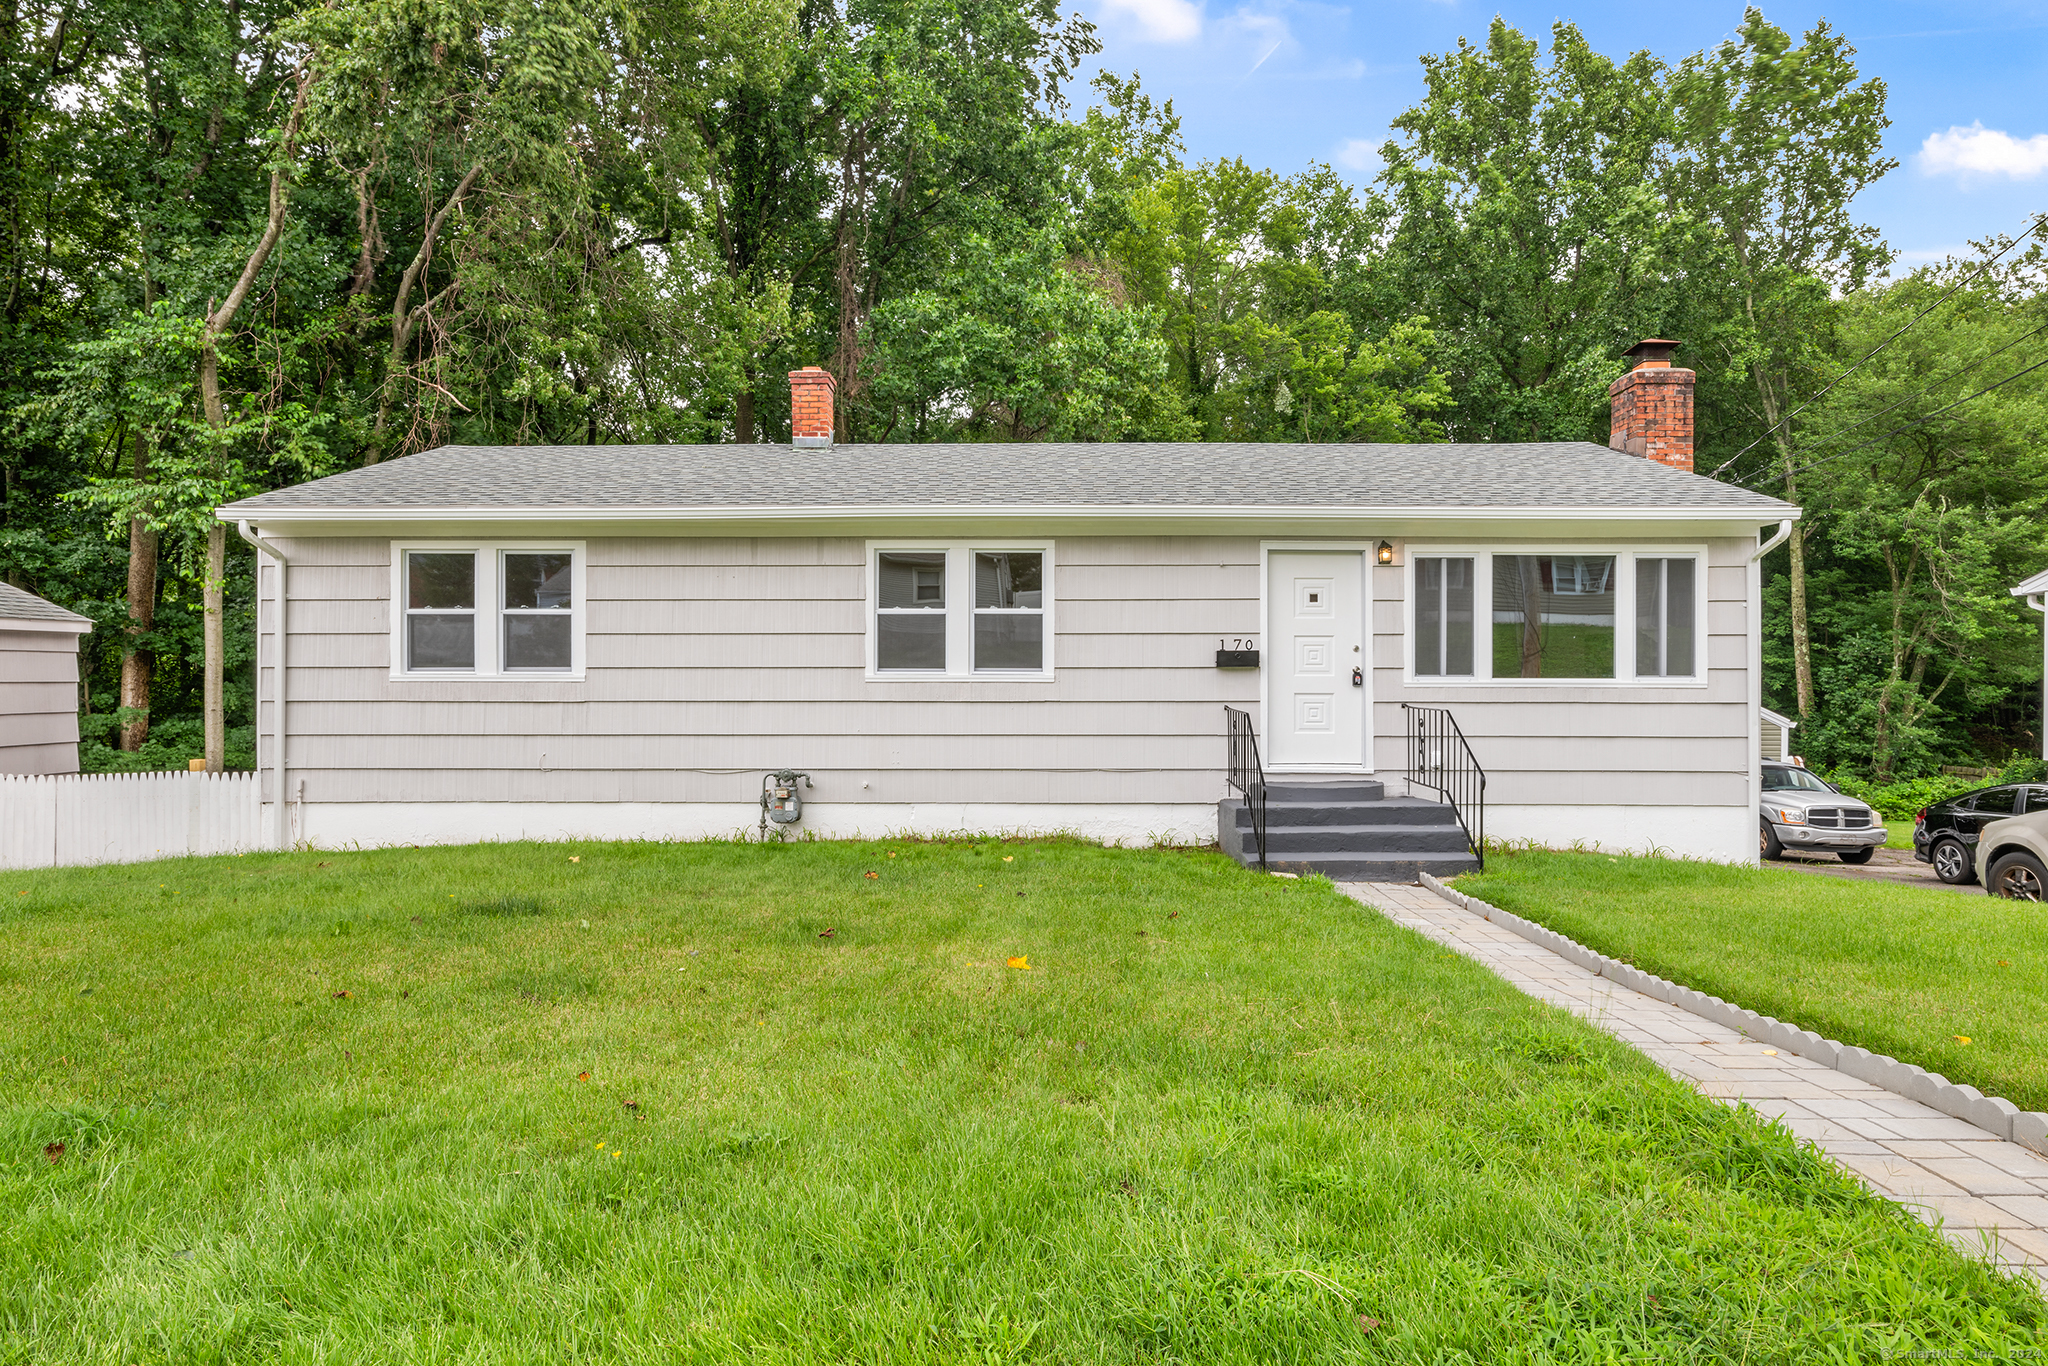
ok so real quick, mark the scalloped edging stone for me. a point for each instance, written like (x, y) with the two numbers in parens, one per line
(1994, 1114)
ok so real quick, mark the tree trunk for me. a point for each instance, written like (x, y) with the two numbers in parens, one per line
(1802, 644)
(1532, 616)
(743, 417)
(138, 661)
(212, 595)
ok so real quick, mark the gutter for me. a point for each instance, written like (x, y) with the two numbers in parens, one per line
(1784, 534)
(280, 811)
(952, 512)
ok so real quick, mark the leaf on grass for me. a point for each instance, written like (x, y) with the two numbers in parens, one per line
(1174, 916)
(1022, 962)
(1962, 1038)
(1366, 1323)
(825, 934)
(583, 1076)
(54, 1151)
(1008, 857)
(630, 1104)
(341, 996)
(871, 874)
(575, 858)
(319, 865)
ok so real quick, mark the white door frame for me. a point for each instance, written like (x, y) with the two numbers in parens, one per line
(1364, 550)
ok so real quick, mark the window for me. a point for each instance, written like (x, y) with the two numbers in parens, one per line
(1553, 616)
(1664, 617)
(440, 610)
(1999, 801)
(1625, 616)
(2037, 799)
(486, 611)
(959, 611)
(1009, 610)
(1443, 616)
(538, 604)
(910, 615)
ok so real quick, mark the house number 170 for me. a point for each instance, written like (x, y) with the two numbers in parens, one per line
(1237, 643)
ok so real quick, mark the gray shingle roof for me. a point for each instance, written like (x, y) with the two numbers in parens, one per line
(16, 605)
(1543, 475)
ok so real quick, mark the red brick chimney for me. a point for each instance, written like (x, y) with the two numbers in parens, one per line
(1652, 406)
(810, 408)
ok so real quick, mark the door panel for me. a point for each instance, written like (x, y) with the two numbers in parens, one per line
(1315, 637)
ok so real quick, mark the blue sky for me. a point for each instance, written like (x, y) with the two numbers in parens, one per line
(1283, 83)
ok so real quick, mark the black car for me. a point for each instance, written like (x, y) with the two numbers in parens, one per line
(1945, 834)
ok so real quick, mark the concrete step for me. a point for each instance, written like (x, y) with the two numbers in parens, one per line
(1391, 811)
(1324, 790)
(1368, 868)
(1346, 840)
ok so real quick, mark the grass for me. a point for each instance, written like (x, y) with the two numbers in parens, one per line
(1899, 834)
(1906, 971)
(722, 1103)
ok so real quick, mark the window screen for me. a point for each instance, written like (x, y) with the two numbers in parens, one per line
(1665, 612)
(1009, 610)
(440, 609)
(910, 610)
(538, 623)
(1553, 616)
(1443, 617)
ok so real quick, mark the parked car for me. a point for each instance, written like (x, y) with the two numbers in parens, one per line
(1802, 812)
(2012, 854)
(1945, 834)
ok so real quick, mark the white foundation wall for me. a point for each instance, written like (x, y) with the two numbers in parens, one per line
(1722, 834)
(375, 825)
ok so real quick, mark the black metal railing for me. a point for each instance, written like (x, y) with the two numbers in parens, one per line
(1247, 775)
(1439, 759)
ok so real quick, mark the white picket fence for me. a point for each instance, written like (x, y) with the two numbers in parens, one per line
(67, 820)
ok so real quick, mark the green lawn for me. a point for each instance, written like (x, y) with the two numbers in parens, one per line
(1898, 834)
(722, 1103)
(1907, 971)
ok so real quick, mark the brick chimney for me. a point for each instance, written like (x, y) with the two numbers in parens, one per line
(810, 407)
(1652, 406)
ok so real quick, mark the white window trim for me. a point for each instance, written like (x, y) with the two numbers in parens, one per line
(1625, 556)
(960, 611)
(490, 613)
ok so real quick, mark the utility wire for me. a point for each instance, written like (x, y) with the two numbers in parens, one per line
(1958, 371)
(1916, 422)
(2040, 221)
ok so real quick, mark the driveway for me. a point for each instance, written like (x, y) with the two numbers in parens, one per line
(1887, 865)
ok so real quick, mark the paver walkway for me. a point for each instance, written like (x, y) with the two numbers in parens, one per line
(1990, 1196)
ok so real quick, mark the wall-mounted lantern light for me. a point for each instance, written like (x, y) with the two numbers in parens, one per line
(1386, 552)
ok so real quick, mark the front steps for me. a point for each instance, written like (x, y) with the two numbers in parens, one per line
(1349, 830)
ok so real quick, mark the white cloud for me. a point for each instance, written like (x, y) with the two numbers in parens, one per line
(1164, 21)
(1978, 150)
(1357, 154)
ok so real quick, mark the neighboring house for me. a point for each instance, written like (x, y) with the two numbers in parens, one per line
(38, 684)
(505, 642)
(2035, 591)
(1776, 734)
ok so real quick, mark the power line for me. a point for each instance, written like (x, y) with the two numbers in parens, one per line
(2040, 221)
(1916, 422)
(1958, 371)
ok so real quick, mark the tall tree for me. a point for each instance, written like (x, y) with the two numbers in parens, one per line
(1773, 142)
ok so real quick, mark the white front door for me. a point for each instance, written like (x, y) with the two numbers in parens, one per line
(1315, 640)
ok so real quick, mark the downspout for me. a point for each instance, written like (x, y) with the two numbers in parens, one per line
(2039, 602)
(1756, 663)
(280, 810)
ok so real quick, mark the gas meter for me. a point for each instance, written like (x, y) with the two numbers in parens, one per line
(780, 800)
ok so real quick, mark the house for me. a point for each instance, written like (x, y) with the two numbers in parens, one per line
(1775, 733)
(38, 683)
(620, 641)
(2035, 591)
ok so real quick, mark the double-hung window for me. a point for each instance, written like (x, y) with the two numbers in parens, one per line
(961, 610)
(1501, 614)
(487, 611)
